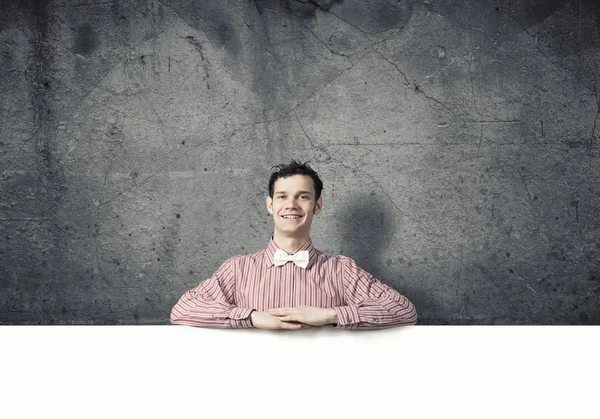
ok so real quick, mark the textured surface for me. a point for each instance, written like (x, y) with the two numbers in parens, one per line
(457, 141)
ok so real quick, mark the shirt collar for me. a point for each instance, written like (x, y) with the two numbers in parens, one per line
(272, 248)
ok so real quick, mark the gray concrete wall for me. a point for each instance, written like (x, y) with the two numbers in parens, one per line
(457, 140)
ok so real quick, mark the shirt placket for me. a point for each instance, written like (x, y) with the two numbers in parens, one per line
(292, 279)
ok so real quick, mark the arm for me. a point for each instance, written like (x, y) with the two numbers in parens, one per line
(371, 304)
(212, 303)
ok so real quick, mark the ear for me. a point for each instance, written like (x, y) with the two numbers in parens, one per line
(318, 205)
(270, 204)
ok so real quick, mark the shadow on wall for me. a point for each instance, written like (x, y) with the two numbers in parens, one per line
(367, 230)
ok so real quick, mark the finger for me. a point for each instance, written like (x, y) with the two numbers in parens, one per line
(287, 318)
(280, 315)
(279, 311)
(285, 325)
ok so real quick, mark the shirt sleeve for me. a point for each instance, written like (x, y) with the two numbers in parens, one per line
(212, 303)
(370, 303)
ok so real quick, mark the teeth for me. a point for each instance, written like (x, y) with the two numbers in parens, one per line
(291, 216)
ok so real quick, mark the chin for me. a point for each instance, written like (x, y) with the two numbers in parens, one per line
(291, 228)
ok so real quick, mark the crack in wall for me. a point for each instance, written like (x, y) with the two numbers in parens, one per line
(266, 33)
(470, 59)
(203, 61)
(163, 167)
(596, 117)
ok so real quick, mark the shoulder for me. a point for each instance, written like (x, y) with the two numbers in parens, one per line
(244, 259)
(345, 260)
(346, 266)
(333, 258)
(339, 260)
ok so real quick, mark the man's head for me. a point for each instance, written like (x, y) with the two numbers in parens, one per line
(296, 168)
(294, 197)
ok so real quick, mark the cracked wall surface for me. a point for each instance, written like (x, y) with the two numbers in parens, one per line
(458, 142)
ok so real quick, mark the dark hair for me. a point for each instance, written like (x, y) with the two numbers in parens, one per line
(295, 168)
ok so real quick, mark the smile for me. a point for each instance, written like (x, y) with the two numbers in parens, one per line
(291, 216)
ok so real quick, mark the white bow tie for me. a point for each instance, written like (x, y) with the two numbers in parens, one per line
(300, 258)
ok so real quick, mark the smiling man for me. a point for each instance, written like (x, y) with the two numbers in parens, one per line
(291, 284)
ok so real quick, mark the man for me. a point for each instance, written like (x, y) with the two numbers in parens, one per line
(290, 284)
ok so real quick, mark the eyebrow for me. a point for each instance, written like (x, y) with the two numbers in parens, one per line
(299, 192)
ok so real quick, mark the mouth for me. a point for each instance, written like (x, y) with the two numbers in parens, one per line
(291, 216)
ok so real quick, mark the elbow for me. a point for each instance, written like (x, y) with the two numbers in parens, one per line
(401, 312)
(413, 321)
(176, 316)
(411, 314)
(407, 312)
(180, 311)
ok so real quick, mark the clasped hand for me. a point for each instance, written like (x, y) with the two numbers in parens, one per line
(300, 317)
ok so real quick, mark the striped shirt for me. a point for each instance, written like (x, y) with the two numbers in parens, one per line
(252, 282)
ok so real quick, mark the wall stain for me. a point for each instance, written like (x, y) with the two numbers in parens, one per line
(86, 41)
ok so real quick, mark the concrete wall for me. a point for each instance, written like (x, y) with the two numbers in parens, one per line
(458, 142)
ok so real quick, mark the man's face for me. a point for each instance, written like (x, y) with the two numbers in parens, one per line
(293, 205)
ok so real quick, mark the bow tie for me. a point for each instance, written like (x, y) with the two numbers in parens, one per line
(300, 258)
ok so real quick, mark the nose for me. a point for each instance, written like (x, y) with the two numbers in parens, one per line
(290, 203)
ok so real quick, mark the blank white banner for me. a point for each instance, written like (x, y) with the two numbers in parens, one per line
(177, 371)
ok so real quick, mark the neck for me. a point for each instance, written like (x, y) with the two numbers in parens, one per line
(290, 244)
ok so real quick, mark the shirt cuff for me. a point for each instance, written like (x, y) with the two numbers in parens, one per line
(348, 317)
(240, 318)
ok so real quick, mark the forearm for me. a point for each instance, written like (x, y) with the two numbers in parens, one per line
(377, 314)
(331, 316)
(193, 310)
(388, 313)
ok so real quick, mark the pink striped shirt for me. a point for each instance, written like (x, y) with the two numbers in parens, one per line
(248, 282)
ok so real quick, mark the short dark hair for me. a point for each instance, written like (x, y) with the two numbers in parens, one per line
(295, 168)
